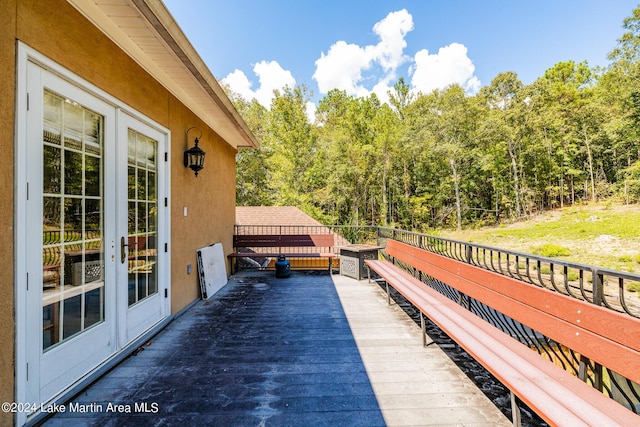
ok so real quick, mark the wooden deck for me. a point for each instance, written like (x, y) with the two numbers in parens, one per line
(311, 349)
(414, 385)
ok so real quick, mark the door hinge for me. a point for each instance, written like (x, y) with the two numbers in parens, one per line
(166, 247)
(27, 101)
(27, 372)
(166, 293)
(27, 281)
(166, 157)
(166, 202)
(27, 191)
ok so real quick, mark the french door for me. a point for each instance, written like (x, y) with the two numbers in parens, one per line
(141, 297)
(94, 225)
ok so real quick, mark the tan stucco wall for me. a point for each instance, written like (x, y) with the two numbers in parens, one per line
(57, 30)
(7, 100)
(209, 199)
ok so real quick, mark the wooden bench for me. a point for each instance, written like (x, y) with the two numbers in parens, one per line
(606, 337)
(289, 245)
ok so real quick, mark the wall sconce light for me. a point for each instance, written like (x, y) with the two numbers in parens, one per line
(194, 156)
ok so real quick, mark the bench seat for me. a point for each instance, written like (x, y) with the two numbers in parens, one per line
(289, 245)
(286, 254)
(553, 393)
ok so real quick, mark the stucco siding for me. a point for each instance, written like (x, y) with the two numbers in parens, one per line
(7, 102)
(66, 37)
(209, 200)
(57, 30)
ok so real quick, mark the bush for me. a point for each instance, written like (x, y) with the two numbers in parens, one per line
(625, 258)
(633, 287)
(545, 269)
(573, 276)
(550, 250)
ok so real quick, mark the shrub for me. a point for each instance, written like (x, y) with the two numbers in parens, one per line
(633, 287)
(550, 250)
(545, 269)
(572, 276)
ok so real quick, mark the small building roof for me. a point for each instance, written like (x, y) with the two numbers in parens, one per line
(266, 219)
(147, 32)
(274, 215)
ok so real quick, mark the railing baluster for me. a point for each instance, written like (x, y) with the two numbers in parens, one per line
(597, 287)
(614, 298)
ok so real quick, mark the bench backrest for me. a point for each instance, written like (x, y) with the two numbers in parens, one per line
(609, 338)
(283, 240)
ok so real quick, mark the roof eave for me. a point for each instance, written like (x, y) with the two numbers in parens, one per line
(187, 77)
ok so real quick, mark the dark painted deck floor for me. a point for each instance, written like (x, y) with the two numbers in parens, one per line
(263, 351)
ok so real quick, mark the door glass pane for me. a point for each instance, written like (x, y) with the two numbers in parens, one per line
(141, 158)
(73, 220)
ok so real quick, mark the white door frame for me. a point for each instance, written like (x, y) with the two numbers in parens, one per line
(133, 320)
(25, 293)
(64, 360)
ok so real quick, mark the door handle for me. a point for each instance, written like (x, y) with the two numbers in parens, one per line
(123, 250)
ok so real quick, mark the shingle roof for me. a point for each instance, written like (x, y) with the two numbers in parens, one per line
(273, 215)
(286, 219)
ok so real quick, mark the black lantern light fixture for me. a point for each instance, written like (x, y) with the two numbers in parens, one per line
(194, 156)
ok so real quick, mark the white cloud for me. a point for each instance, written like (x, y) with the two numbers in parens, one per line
(349, 67)
(239, 83)
(449, 66)
(310, 109)
(392, 31)
(382, 88)
(343, 66)
(473, 85)
(271, 77)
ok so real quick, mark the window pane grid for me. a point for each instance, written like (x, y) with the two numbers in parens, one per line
(73, 250)
(141, 159)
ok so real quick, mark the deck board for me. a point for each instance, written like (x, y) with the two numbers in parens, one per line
(311, 349)
(414, 385)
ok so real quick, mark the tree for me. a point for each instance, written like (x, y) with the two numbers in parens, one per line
(295, 156)
(578, 119)
(446, 158)
(401, 97)
(505, 122)
(445, 121)
(253, 174)
(618, 90)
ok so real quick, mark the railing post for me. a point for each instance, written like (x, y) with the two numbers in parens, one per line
(598, 297)
(597, 374)
(583, 367)
(388, 293)
(423, 326)
(597, 286)
(515, 411)
(464, 301)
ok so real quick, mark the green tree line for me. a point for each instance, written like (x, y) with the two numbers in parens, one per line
(447, 158)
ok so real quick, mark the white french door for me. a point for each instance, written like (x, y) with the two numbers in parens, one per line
(95, 230)
(141, 300)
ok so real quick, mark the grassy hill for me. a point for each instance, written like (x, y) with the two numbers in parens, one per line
(602, 234)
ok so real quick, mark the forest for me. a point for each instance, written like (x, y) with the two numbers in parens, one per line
(450, 159)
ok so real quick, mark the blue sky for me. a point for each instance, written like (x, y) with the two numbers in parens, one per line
(364, 46)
